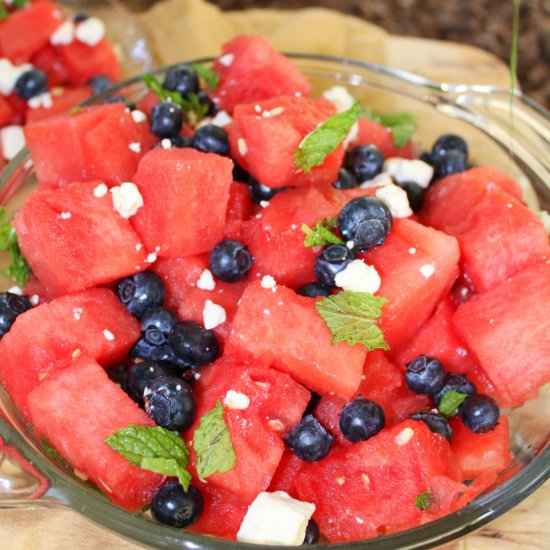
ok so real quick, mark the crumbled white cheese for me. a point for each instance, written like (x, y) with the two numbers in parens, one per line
(412, 250)
(339, 97)
(166, 143)
(63, 35)
(264, 204)
(427, 270)
(16, 290)
(12, 140)
(41, 100)
(396, 199)
(242, 146)
(221, 119)
(359, 277)
(273, 112)
(138, 116)
(151, 258)
(90, 31)
(100, 190)
(139, 246)
(267, 312)
(381, 180)
(415, 170)
(276, 519)
(127, 199)
(66, 215)
(108, 335)
(236, 400)
(350, 244)
(213, 315)
(77, 312)
(404, 436)
(268, 282)
(206, 280)
(227, 59)
(9, 74)
(135, 147)
(34, 299)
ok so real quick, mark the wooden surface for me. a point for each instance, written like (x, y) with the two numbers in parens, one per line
(527, 526)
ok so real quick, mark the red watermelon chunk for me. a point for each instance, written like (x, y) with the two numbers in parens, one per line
(63, 99)
(251, 70)
(481, 454)
(6, 112)
(27, 30)
(48, 60)
(73, 239)
(286, 473)
(43, 340)
(418, 266)
(264, 136)
(269, 330)
(78, 152)
(276, 240)
(276, 404)
(75, 410)
(369, 488)
(179, 187)
(506, 329)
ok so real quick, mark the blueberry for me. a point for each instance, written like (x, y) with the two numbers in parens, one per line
(425, 375)
(156, 324)
(230, 260)
(449, 142)
(240, 174)
(260, 192)
(193, 343)
(426, 156)
(182, 79)
(120, 99)
(361, 419)
(11, 306)
(152, 352)
(173, 506)
(141, 374)
(100, 83)
(314, 400)
(30, 84)
(480, 413)
(366, 221)
(312, 533)
(118, 374)
(166, 119)
(309, 440)
(211, 139)
(205, 99)
(364, 162)
(437, 424)
(451, 162)
(312, 290)
(456, 382)
(79, 17)
(415, 194)
(169, 401)
(140, 292)
(332, 259)
(346, 180)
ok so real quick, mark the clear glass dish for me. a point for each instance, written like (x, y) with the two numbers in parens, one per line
(517, 142)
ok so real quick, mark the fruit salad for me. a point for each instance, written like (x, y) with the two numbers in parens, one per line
(269, 316)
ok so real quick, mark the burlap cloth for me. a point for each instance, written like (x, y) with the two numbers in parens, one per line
(183, 29)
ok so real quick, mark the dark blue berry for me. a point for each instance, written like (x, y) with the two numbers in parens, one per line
(260, 192)
(173, 506)
(211, 139)
(450, 162)
(240, 174)
(141, 374)
(193, 343)
(182, 79)
(312, 533)
(449, 142)
(331, 260)
(79, 17)
(314, 400)
(166, 119)
(152, 352)
(309, 440)
(364, 162)
(425, 375)
(120, 99)
(141, 292)
(480, 413)
(156, 324)
(230, 260)
(312, 290)
(205, 99)
(346, 180)
(426, 156)
(361, 419)
(11, 306)
(415, 194)
(169, 401)
(455, 382)
(437, 424)
(100, 83)
(118, 374)
(365, 221)
(30, 84)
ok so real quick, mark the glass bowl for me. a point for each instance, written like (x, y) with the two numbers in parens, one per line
(515, 140)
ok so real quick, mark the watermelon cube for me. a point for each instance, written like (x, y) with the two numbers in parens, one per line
(506, 329)
(62, 100)
(276, 404)
(48, 60)
(179, 186)
(79, 151)
(286, 473)
(264, 136)
(6, 112)
(276, 327)
(44, 339)
(251, 70)
(78, 432)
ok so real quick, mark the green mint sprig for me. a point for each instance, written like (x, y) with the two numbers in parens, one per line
(4, 13)
(403, 125)
(322, 233)
(19, 269)
(351, 317)
(450, 403)
(424, 500)
(211, 78)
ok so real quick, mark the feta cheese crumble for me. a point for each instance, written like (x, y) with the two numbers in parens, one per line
(100, 190)
(166, 143)
(127, 199)
(227, 59)
(415, 170)
(396, 199)
(9, 74)
(381, 180)
(264, 204)
(339, 97)
(138, 116)
(213, 315)
(277, 519)
(12, 140)
(108, 335)
(359, 277)
(268, 282)
(221, 119)
(90, 31)
(63, 35)
(41, 100)
(206, 280)
(236, 400)
(242, 146)
(16, 290)
(151, 258)
(65, 215)
(135, 147)
(427, 270)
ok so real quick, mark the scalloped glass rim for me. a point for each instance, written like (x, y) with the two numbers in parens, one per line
(453, 100)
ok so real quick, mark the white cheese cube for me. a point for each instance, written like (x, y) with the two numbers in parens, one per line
(416, 170)
(396, 199)
(127, 199)
(359, 277)
(213, 315)
(12, 140)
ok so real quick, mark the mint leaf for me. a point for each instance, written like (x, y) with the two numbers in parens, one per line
(351, 317)
(18, 4)
(403, 125)
(322, 141)
(19, 269)
(424, 500)
(207, 74)
(451, 401)
(213, 445)
(153, 448)
(322, 233)
(3, 11)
